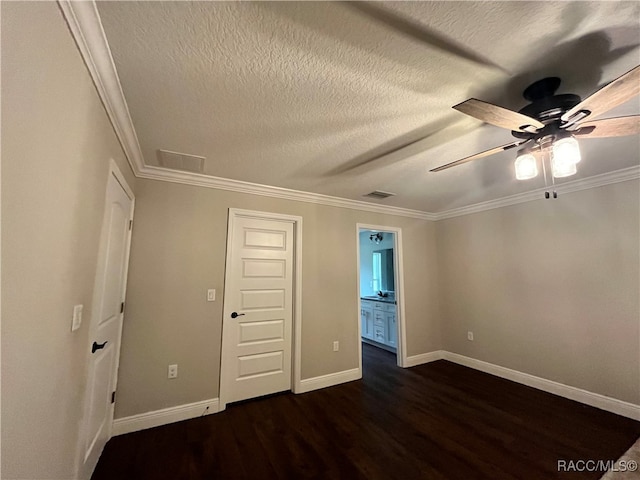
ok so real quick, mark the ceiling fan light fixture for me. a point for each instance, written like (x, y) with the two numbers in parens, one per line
(561, 168)
(526, 165)
(567, 149)
(376, 237)
(565, 154)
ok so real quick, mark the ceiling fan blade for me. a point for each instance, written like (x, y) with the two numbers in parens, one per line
(486, 153)
(609, 127)
(611, 95)
(498, 116)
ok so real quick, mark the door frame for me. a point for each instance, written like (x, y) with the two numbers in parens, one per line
(296, 337)
(401, 334)
(114, 171)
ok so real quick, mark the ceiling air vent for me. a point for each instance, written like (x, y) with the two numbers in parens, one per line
(180, 161)
(379, 194)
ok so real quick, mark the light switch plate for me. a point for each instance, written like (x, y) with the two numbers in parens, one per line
(211, 295)
(77, 318)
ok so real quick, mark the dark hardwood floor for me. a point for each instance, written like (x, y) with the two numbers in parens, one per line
(434, 421)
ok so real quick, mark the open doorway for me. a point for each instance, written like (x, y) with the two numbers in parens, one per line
(381, 320)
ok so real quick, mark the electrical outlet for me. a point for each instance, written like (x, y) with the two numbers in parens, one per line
(208, 410)
(211, 295)
(470, 336)
(173, 371)
(336, 346)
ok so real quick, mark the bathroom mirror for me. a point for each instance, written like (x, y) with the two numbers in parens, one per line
(383, 269)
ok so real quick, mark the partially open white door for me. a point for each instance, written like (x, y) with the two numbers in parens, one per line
(106, 320)
(258, 308)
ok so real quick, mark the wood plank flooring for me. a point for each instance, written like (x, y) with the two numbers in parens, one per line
(434, 421)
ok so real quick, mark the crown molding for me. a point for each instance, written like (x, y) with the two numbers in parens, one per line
(85, 25)
(200, 180)
(86, 28)
(622, 175)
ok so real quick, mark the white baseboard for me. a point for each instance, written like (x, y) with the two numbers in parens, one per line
(197, 409)
(414, 360)
(156, 418)
(323, 381)
(165, 416)
(626, 409)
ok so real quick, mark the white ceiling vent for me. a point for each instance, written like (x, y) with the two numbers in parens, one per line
(379, 194)
(180, 161)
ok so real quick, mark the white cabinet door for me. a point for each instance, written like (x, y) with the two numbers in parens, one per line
(364, 314)
(370, 324)
(366, 318)
(392, 329)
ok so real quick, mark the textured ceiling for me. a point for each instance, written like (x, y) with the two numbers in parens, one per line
(313, 96)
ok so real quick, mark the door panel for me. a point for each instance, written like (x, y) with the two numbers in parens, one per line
(260, 364)
(264, 239)
(106, 322)
(254, 267)
(261, 331)
(257, 344)
(262, 299)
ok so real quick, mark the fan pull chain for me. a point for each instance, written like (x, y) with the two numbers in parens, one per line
(553, 183)
(545, 148)
(544, 170)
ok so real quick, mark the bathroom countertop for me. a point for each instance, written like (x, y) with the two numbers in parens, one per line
(380, 299)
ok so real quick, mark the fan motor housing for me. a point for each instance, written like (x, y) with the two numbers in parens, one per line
(548, 110)
(546, 107)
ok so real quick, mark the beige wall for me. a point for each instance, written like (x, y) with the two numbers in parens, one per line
(178, 251)
(56, 146)
(549, 288)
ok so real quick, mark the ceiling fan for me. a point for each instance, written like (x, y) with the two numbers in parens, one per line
(551, 123)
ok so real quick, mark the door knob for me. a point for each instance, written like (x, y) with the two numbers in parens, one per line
(97, 346)
(236, 314)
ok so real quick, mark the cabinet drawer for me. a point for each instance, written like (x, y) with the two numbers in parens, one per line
(389, 307)
(367, 304)
(378, 318)
(378, 334)
(378, 305)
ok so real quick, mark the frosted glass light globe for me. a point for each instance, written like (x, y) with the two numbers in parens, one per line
(561, 167)
(526, 167)
(564, 156)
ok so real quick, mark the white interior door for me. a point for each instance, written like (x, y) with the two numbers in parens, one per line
(106, 321)
(258, 307)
